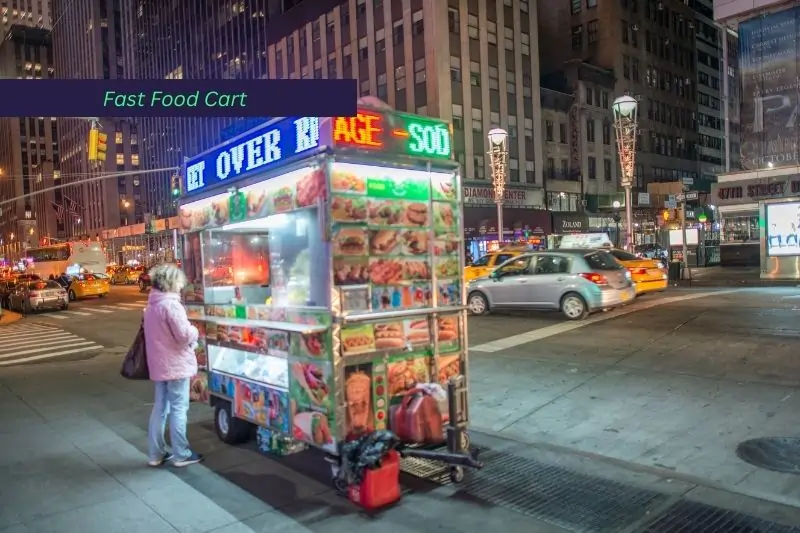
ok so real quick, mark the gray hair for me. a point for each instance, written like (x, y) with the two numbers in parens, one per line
(167, 277)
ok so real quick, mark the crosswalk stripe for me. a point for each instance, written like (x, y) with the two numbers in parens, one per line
(133, 305)
(79, 313)
(23, 345)
(36, 339)
(83, 343)
(97, 310)
(56, 317)
(51, 355)
(17, 332)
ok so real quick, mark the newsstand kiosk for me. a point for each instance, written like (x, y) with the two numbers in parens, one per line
(325, 259)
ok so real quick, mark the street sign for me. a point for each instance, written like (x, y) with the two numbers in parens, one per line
(692, 195)
(671, 204)
(688, 181)
(679, 197)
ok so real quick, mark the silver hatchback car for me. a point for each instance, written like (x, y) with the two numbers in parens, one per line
(576, 282)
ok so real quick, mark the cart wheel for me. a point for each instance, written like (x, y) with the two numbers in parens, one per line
(230, 430)
(340, 485)
(457, 474)
(464, 443)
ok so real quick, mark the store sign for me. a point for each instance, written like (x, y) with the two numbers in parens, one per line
(259, 150)
(753, 190)
(255, 152)
(398, 133)
(485, 196)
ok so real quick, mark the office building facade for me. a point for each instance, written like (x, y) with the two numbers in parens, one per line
(474, 63)
(87, 43)
(31, 13)
(29, 152)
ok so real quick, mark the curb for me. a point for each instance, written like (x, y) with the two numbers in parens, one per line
(9, 317)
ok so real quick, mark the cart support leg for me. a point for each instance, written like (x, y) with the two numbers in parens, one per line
(457, 438)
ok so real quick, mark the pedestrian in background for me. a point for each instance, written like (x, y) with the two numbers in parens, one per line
(170, 340)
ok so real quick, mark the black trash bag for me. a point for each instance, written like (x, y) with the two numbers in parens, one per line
(366, 453)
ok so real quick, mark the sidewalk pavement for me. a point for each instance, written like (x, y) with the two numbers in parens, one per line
(8, 317)
(717, 276)
(73, 461)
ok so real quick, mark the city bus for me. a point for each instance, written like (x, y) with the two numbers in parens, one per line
(71, 257)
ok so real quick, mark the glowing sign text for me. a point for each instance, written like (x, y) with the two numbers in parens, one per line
(257, 150)
(364, 130)
(428, 139)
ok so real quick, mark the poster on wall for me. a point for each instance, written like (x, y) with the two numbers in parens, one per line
(783, 221)
(768, 70)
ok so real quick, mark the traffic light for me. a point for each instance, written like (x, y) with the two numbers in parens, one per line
(102, 146)
(98, 144)
(175, 185)
(665, 214)
(93, 138)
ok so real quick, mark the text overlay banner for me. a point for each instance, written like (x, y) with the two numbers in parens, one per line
(178, 98)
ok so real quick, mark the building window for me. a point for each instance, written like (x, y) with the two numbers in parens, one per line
(400, 78)
(576, 6)
(418, 25)
(562, 201)
(590, 130)
(135, 160)
(480, 170)
(635, 69)
(455, 69)
(528, 128)
(474, 73)
(562, 133)
(494, 78)
(118, 137)
(477, 120)
(591, 32)
(525, 39)
(577, 37)
(419, 70)
(607, 134)
(548, 130)
(591, 3)
(458, 117)
(472, 26)
(607, 169)
(589, 95)
(453, 20)
(530, 172)
(551, 168)
(509, 38)
(397, 33)
(592, 165)
(513, 168)
(491, 32)
(120, 159)
(625, 32)
(604, 100)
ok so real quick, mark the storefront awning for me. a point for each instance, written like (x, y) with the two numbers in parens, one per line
(482, 221)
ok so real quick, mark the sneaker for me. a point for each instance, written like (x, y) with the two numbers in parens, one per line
(158, 462)
(191, 460)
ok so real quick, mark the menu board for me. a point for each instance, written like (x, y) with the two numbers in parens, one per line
(264, 406)
(391, 229)
(293, 190)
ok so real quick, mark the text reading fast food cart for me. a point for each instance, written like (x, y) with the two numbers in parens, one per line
(325, 259)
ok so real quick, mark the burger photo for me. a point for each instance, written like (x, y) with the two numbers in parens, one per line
(283, 200)
(351, 241)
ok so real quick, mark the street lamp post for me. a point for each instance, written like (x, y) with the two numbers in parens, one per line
(498, 159)
(625, 124)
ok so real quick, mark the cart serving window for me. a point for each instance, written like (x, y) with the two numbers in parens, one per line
(325, 273)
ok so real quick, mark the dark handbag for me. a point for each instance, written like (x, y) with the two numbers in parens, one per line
(134, 366)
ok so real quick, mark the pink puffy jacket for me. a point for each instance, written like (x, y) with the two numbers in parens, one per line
(170, 338)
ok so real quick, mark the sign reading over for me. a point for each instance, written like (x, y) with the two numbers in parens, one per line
(390, 133)
(397, 133)
(256, 151)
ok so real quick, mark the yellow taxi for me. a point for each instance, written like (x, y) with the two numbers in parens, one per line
(126, 275)
(87, 285)
(649, 275)
(484, 266)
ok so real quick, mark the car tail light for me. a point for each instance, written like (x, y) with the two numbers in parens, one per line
(637, 270)
(595, 278)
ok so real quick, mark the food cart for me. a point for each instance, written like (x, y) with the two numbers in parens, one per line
(325, 259)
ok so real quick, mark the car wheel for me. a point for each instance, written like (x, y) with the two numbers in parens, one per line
(72, 296)
(574, 307)
(229, 429)
(477, 304)
(102, 295)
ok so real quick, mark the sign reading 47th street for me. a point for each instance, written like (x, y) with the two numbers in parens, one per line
(688, 196)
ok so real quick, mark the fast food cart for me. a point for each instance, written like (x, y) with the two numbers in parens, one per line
(325, 259)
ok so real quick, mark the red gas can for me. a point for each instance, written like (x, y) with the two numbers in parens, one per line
(380, 486)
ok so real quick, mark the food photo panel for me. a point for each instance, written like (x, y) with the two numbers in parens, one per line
(445, 218)
(447, 332)
(359, 400)
(350, 241)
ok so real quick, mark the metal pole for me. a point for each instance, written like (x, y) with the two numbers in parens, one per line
(687, 274)
(499, 223)
(726, 97)
(629, 217)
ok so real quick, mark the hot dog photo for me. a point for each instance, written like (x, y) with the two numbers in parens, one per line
(389, 336)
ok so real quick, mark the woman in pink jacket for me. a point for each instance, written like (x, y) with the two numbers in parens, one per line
(170, 340)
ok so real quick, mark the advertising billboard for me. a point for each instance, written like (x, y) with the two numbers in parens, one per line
(783, 221)
(768, 65)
